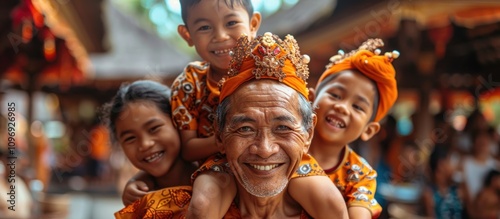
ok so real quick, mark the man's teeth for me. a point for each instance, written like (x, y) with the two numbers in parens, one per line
(264, 167)
(153, 157)
(221, 51)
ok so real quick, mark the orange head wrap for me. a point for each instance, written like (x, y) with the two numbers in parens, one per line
(374, 66)
(266, 57)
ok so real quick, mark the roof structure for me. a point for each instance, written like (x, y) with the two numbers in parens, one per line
(134, 51)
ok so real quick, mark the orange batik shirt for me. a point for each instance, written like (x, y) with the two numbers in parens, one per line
(195, 99)
(168, 203)
(172, 203)
(356, 180)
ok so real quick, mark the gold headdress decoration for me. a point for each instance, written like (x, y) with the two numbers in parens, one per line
(266, 57)
(367, 60)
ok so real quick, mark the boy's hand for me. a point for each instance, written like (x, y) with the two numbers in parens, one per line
(133, 191)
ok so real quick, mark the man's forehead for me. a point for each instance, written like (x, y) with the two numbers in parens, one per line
(262, 85)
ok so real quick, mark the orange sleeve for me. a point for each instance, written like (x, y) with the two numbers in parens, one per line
(308, 167)
(361, 185)
(185, 94)
(216, 162)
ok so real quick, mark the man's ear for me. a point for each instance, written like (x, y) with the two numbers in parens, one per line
(312, 94)
(370, 130)
(255, 21)
(218, 139)
(184, 33)
(310, 133)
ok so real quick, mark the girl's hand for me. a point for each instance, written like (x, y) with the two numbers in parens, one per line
(133, 191)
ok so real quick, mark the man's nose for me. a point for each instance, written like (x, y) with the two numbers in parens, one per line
(265, 145)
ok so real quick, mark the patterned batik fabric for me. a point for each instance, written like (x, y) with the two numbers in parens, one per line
(356, 180)
(173, 202)
(308, 167)
(195, 99)
(168, 203)
(215, 163)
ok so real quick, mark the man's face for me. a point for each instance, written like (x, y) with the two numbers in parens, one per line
(263, 138)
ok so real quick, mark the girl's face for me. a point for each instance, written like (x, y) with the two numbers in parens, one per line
(148, 137)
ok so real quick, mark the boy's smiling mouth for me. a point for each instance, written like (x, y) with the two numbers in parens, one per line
(219, 52)
(337, 122)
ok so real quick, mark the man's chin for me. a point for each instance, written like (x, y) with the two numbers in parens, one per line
(264, 190)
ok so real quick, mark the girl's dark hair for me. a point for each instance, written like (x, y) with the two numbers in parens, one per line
(186, 4)
(143, 90)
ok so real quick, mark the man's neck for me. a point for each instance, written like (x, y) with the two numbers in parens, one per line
(278, 206)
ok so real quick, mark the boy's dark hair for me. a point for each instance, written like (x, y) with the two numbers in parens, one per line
(186, 4)
(143, 90)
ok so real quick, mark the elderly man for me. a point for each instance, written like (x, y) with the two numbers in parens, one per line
(264, 126)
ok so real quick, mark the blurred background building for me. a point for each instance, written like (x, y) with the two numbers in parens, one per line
(60, 60)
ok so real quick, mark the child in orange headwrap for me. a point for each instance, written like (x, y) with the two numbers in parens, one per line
(351, 97)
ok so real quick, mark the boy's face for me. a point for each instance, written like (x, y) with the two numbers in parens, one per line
(213, 28)
(344, 107)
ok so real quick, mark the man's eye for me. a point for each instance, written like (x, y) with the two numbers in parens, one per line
(231, 23)
(245, 129)
(283, 128)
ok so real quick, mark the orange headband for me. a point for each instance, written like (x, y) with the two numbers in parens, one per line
(266, 57)
(374, 66)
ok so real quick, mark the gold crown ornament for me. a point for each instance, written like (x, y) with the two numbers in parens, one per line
(371, 45)
(269, 57)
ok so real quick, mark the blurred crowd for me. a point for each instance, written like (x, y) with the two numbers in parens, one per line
(448, 174)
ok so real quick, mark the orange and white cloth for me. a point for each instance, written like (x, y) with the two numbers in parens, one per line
(356, 180)
(168, 203)
(195, 99)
